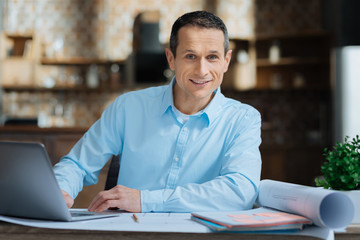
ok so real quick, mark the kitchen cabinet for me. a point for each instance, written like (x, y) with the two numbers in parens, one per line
(58, 91)
(17, 65)
(293, 61)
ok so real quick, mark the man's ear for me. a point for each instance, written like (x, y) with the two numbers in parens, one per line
(227, 60)
(170, 58)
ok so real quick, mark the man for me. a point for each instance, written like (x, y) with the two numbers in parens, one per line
(184, 147)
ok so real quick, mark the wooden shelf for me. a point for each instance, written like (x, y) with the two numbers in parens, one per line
(292, 90)
(23, 129)
(299, 35)
(122, 87)
(19, 36)
(290, 61)
(60, 89)
(78, 61)
(266, 37)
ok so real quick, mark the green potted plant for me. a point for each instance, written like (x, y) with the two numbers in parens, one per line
(341, 171)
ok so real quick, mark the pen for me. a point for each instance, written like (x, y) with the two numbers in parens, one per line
(136, 219)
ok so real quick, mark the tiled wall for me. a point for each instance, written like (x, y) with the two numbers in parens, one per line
(248, 18)
(77, 28)
(91, 28)
(238, 16)
(103, 29)
(290, 117)
(71, 28)
(121, 15)
(19, 16)
(287, 16)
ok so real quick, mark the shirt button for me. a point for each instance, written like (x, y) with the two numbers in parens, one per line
(176, 159)
(185, 129)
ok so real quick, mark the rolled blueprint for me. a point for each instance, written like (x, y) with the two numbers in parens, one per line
(325, 208)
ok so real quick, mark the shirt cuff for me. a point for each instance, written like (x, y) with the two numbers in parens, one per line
(152, 201)
(67, 189)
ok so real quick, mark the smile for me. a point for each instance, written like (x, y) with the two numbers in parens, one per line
(200, 82)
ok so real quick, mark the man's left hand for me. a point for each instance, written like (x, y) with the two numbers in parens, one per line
(118, 197)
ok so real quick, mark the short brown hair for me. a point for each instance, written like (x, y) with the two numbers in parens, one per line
(202, 19)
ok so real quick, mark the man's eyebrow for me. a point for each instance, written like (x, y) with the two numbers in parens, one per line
(188, 50)
(214, 51)
(192, 51)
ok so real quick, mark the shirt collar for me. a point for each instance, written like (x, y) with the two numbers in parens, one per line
(211, 111)
(214, 108)
(168, 97)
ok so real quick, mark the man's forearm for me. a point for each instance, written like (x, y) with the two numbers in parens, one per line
(233, 192)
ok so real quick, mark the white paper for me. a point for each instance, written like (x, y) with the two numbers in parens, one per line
(326, 208)
(319, 232)
(148, 222)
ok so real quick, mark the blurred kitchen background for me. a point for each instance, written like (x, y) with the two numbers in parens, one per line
(297, 61)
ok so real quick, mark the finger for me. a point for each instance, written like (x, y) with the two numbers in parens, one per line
(105, 205)
(100, 198)
(69, 203)
(93, 202)
(103, 194)
(68, 199)
(97, 198)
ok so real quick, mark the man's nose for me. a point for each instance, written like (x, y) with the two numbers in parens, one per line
(202, 68)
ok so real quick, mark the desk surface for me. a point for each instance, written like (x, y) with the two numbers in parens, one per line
(10, 231)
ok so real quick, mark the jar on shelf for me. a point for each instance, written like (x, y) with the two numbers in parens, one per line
(274, 52)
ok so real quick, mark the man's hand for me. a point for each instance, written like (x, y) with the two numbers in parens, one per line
(68, 199)
(119, 196)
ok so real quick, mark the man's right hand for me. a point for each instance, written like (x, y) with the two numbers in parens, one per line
(68, 199)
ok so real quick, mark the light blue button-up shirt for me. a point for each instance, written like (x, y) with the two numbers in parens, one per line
(210, 162)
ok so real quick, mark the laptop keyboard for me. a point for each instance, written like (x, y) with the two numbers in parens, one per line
(85, 213)
(82, 214)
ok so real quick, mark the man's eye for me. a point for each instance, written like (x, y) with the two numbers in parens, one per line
(213, 57)
(190, 56)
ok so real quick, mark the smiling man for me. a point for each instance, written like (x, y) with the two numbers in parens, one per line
(199, 61)
(184, 147)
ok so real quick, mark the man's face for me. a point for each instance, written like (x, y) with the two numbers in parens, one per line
(199, 65)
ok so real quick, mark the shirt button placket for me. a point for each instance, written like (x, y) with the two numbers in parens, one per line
(175, 166)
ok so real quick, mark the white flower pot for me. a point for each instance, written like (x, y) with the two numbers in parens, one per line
(354, 195)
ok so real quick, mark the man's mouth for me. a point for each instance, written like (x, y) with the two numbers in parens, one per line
(200, 82)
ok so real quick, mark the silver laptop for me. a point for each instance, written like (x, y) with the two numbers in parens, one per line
(28, 187)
